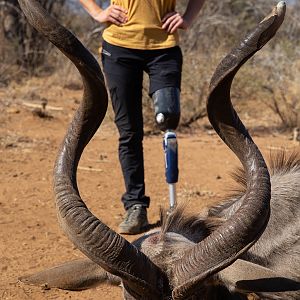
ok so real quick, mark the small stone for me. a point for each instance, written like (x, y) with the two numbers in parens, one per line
(13, 110)
(45, 287)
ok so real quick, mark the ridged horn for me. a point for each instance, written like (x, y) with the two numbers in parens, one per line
(141, 278)
(242, 230)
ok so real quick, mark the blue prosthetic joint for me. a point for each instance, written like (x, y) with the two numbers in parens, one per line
(171, 164)
(171, 156)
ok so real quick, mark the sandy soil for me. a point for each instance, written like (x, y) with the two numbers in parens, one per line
(30, 238)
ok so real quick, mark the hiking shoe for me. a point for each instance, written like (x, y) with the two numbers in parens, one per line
(135, 220)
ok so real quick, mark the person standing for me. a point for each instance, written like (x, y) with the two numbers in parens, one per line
(141, 36)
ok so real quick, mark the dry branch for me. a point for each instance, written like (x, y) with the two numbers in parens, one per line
(35, 105)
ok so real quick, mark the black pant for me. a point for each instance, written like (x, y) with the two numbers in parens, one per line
(123, 69)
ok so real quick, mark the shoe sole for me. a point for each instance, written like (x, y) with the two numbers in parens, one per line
(133, 231)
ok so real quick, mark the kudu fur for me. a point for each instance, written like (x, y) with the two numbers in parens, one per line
(248, 244)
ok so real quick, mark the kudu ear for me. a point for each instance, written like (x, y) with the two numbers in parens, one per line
(74, 275)
(244, 277)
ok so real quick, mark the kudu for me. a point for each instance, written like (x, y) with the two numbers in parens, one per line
(248, 244)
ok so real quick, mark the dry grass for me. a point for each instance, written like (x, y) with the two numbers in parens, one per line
(220, 25)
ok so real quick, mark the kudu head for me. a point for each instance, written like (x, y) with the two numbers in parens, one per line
(142, 267)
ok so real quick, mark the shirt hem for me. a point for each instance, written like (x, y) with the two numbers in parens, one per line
(140, 46)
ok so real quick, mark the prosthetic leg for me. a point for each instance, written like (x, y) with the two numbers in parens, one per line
(167, 115)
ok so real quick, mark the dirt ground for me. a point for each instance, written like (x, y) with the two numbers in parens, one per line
(30, 238)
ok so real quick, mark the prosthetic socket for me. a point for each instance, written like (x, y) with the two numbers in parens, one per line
(167, 108)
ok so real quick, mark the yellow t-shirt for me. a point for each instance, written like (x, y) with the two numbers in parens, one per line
(143, 30)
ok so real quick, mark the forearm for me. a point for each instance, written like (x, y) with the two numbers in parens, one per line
(91, 7)
(192, 10)
(113, 14)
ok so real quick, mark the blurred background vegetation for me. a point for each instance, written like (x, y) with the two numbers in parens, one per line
(271, 78)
